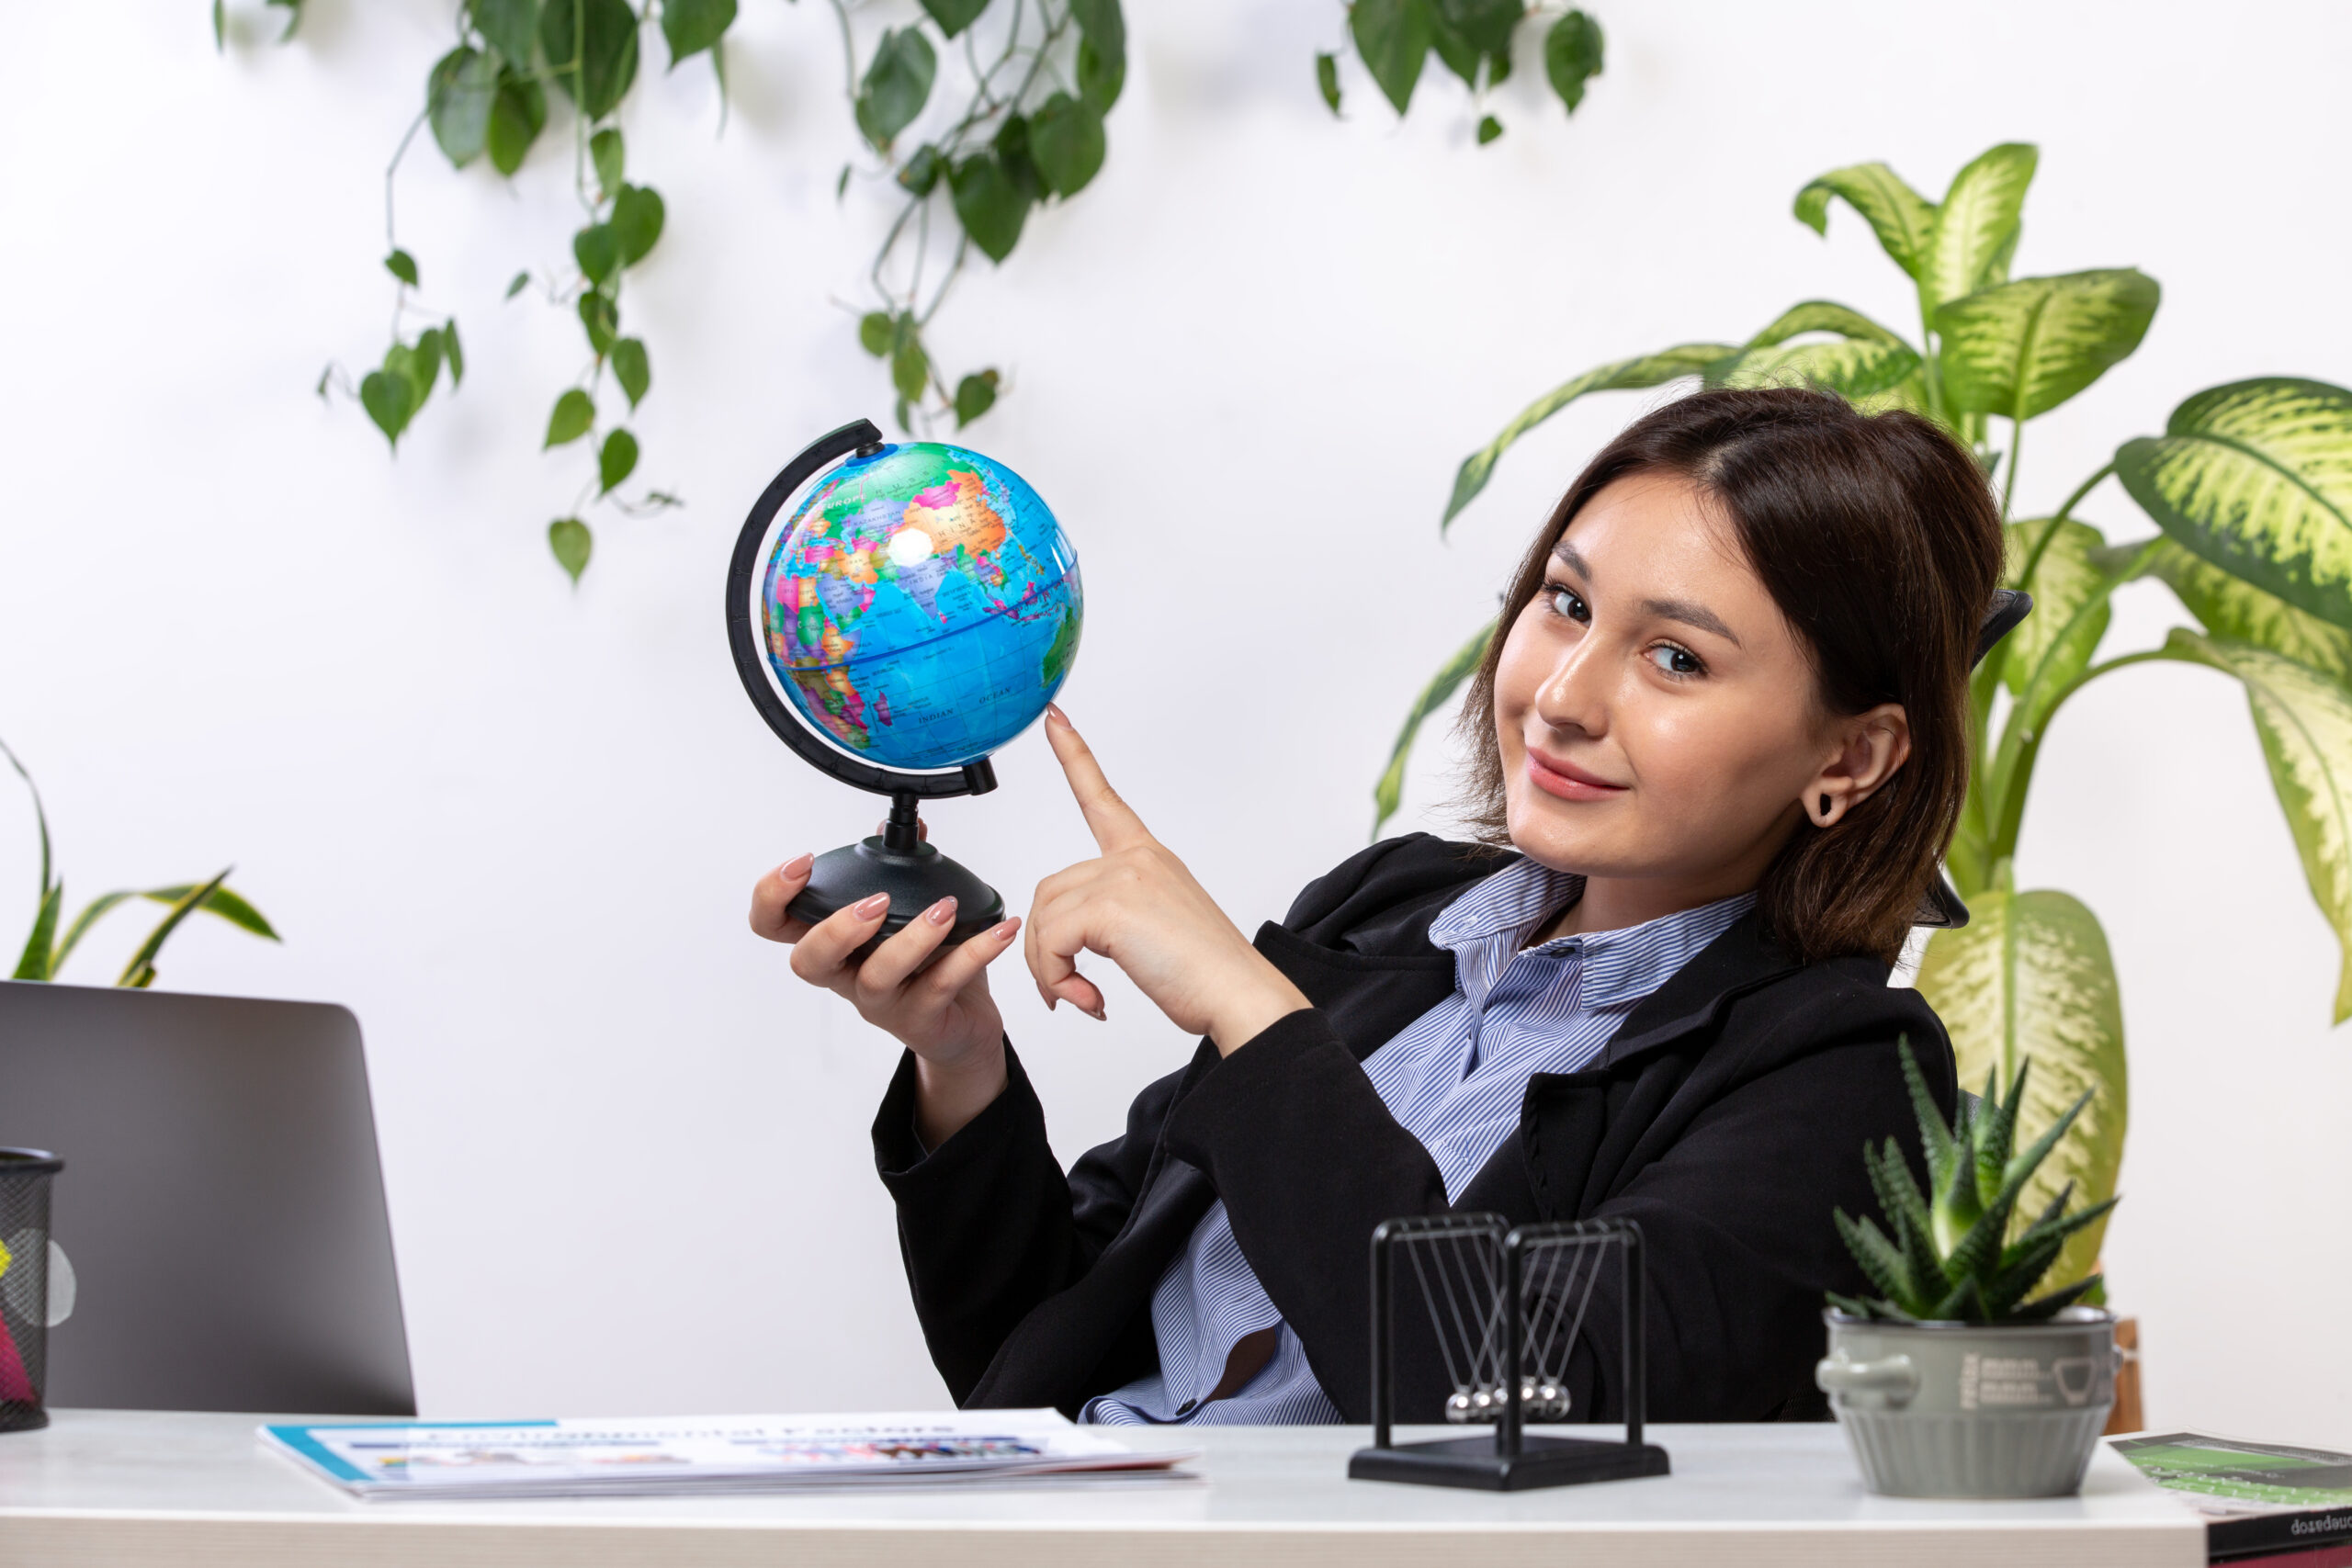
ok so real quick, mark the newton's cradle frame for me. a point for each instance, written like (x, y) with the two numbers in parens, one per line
(1498, 1300)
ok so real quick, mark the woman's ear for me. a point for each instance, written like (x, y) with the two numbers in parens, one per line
(1870, 747)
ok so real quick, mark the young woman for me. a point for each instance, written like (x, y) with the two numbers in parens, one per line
(1718, 750)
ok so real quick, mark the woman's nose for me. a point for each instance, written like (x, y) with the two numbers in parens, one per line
(1574, 696)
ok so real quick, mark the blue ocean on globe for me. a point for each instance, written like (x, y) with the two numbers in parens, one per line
(922, 606)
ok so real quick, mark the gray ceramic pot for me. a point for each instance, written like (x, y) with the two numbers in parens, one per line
(1972, 1410)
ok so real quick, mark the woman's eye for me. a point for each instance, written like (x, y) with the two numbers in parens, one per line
(1673, 660)
(1567, 602)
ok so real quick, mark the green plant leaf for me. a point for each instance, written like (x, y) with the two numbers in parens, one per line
(2231, 608)
(453, 352)
(601, 319)
(598, 252)
(909, 367)
(2257, 477)
(140, 971)
(2020, 349)
(1488, 129)
(1010, 145)
(637, 220)
(1484, 25)
(458, 97)
(989, 203)
(1390, 790)
(1393, 38)
(689, 27)
(1572, 53)
(388, 400)
(591, 48)
(402, 265)
(2070, 576)
(521, 281)
(223, 901)
(573, 414)
(1976, 226)
(1101, 51)
(516, 116)
(953, 15)
(510, 27)
(975, 395)
(1853, 367)
(1644, 370)
(919, 176)
(631, 369)
(40, 959)
(1824, 316)
(1103, 23)
(608, 155)
(617, 461)
(1066, 140)
(2305, 721)
(91, 914)
(877, 331)
(1327, 80)
(40, 820)
(1903, 219)
(2030, 976)
(898, 84)
(571, 543)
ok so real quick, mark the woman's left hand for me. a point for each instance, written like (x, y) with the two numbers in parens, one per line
(1137, 906)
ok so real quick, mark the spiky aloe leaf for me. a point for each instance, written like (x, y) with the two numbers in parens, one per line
(1914, 1230)
(2043, 1308)
(1934, 1136)
(2014, 1283)
(1853, 1307)
(1999, 1138)
(1880, 1261)
(1964, 1303)
(2062, 1227)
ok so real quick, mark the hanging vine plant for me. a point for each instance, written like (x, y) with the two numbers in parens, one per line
(1473, 38)
(1027, 130)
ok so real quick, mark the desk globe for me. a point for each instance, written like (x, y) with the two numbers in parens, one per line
(919, 609)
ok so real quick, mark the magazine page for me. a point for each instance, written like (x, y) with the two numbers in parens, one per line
(2225, 1476)
(687, 1453)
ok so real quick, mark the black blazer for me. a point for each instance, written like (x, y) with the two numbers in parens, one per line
(1727, 1116)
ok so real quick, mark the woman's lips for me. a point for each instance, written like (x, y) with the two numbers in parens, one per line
(1557, 776)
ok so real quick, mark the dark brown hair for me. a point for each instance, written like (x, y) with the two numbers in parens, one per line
(1878, 537)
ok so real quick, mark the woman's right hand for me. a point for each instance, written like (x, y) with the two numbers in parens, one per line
(943, 1014)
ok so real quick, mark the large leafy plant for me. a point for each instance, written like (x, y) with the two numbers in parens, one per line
(53, 938)
(2249, 487)
(1034, 79)
(1473, 38)
(1947, 1255)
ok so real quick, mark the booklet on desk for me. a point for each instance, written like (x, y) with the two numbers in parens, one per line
(680, 1455)
(2256, 1497)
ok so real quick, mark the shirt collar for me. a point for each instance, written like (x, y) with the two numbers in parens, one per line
(1615, 968)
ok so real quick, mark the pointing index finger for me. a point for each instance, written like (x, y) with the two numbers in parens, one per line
(1110, 819)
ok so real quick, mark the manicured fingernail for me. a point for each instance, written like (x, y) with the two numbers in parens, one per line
(1008, 931)
(1053, 710)
(1098, 1016)
(796, 866)
(938, 914)
(867, 908)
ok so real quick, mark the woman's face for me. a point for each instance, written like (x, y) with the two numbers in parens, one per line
(1658, 716)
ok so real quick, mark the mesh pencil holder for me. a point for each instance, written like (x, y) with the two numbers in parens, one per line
(25, 1177)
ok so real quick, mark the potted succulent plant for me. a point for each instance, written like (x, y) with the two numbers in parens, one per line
(1951, 1383)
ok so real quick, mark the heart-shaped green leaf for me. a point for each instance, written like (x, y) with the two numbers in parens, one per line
(1976, 226)
(1645, 371)
(452, 352)
(591, 48)
(1903, 219)
(909, 367)
(1393, 38)
(975, 395)
(458, 98)
(615, 461)
(877, 331)
(921, 174)
(2304, 718)
(402, 265)
(1572, 56)
(597, 251)
(637, 222)
(386, 395)
(2020, 349)
(989, 204)
(601, 319)
(897, 85)
(1100, 75)
(608, 155)
(1066, 142)
(953, 15)
(2257, 477)
(569, 538)
(1102, 24)
(2030, 976)
(510, 26)
(631, 370)
(573, 414)
(516, 116)
(689, 27)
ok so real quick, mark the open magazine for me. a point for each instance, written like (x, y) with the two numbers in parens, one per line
(728, 1453)
(2255, 1496)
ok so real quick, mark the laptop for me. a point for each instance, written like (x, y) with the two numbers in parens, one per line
(221, 1204)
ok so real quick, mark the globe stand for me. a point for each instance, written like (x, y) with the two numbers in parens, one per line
(897, 861)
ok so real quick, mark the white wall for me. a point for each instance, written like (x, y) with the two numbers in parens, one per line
(513, 825)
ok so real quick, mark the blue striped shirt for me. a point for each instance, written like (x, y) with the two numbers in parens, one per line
(1454, 1079)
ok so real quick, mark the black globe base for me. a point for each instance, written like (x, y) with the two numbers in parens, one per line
(914, 874)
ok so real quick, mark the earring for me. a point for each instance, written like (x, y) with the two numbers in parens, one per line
(1825, 808)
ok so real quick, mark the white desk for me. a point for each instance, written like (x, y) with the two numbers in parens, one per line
(129, 1489)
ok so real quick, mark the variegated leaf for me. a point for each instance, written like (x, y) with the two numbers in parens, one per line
(2068, 580)
(2305, 722)
(2231, 608)
(2020, 349)
(1910, 395)
(1390, 790)
(2030, 976)
(1855, 367)
(1645, 370)
(1822, 316)
(2257, 477)
(1976, 226)
(1902, 217)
